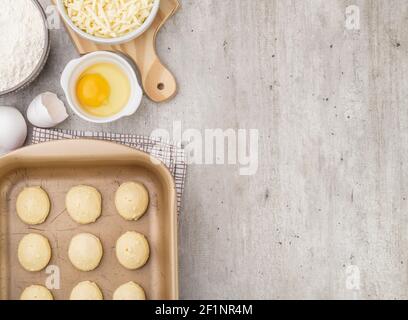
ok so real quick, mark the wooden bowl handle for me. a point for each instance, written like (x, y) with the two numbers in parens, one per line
(159, 83)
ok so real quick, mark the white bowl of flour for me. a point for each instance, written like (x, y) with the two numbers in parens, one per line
(24, 43)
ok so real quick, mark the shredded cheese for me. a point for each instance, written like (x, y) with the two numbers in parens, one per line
(108, 18)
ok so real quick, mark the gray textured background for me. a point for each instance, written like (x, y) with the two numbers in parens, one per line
(331, 108)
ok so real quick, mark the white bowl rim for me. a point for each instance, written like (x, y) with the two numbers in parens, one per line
(136, 89)
(110, 41)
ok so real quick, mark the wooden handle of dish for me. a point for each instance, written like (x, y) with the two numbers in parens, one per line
(158, 82)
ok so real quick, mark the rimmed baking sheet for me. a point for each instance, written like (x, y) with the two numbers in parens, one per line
(56, 167)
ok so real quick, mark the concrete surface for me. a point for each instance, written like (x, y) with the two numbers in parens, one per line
(328, 205)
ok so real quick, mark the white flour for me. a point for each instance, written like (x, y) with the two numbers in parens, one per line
(22, 41)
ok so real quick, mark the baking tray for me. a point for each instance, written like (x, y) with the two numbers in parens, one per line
(158, 82)
(56, 167)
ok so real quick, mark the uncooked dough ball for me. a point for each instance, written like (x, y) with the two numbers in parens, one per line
(129, 291)
(86, 290)
(132, 200)
(33, 205)
(36, 293)
(132, 250)
(85, 251)
(34, 252)
(84, 204)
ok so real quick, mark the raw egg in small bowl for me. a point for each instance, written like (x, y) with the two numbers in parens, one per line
(101, 87)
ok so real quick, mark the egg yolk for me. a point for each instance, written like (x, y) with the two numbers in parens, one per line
(93, 90)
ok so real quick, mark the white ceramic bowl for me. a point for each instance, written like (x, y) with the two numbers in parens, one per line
(110, 41)
(76, 67)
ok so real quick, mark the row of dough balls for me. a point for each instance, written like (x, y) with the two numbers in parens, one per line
(87, 290)
(83, 203)
(85, 251)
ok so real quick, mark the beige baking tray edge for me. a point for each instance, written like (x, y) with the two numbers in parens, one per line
(57, 166)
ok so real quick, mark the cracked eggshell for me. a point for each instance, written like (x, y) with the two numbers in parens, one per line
(46, 111)
(13, 129)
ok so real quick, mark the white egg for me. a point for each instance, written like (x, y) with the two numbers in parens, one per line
(13, 129)
(46, 111)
